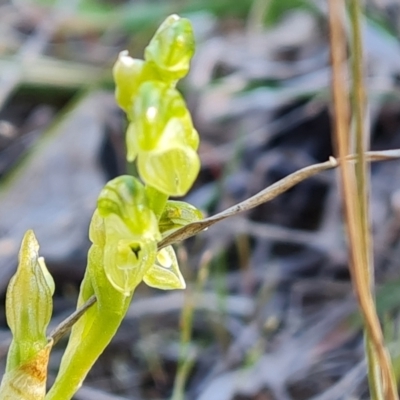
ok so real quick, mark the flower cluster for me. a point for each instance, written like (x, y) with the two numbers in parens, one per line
(160, 135)
(163, 142)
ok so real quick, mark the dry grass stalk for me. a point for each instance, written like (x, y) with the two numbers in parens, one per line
(354, 189)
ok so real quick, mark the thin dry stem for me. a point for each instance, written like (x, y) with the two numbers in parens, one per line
(59, 331)
(270, 193)
(265, 195)
(358, 251)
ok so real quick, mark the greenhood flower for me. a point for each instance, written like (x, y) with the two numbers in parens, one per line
(171, 48)
(125, 227)
(162, 137)
(130, 232)
(127, 73)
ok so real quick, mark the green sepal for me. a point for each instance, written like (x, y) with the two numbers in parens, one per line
(126, 198)
(129, 73)
(47, 276)
(177, 214)
(132, 147)
(170, 170)
(165, 273)
(28, 304)
(96, 230)
(171, 48)
(155, 106)
(119, 196)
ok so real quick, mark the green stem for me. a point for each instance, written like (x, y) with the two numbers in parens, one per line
(157, 200)
(77, 365)
(93, 332)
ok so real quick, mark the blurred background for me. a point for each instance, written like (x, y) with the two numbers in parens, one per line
(269, 312)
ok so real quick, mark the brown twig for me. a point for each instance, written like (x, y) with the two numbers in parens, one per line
(59, 331)
(268, 194)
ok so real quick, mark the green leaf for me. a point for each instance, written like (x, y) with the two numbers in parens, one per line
(165, 273)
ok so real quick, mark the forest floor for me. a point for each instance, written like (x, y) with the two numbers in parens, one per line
(269, 312)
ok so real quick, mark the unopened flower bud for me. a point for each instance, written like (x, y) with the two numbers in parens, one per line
(29, 303)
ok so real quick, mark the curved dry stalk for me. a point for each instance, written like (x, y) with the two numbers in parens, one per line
(354, 186)
(270, 193)
(264, 196)
(61, 329)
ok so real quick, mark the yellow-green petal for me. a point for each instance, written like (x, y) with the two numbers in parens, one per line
(46, 274)
(125, 197)
(171, 171)
(165, 273)
(96, 230)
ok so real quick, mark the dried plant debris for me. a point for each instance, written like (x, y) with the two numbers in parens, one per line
(273, 317)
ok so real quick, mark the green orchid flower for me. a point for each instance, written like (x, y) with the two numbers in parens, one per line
(172, 48)
(171, 171)
(130, 237)
(130, 230)
(167, 59)
(163, 139)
